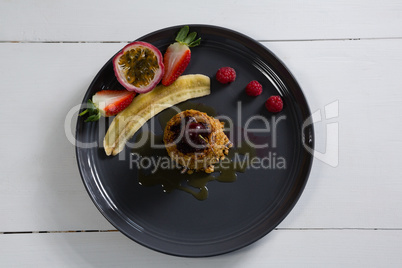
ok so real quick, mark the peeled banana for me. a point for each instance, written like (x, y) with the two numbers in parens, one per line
(147, 105)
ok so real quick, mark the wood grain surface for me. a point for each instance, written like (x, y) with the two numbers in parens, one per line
(343, 52)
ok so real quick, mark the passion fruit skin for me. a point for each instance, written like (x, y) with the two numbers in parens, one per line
(120, 71)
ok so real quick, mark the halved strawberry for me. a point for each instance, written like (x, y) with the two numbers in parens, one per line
(107, 103)
(178, 55)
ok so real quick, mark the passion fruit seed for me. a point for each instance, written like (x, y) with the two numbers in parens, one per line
(140, 65)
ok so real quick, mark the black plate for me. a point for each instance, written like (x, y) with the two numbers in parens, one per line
(235, 214)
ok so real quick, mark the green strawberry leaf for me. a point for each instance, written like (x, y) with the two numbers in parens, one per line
(83, 112)
(195, 43)
(93, 112)
(93, 118)
(190, 38)
(187, 39)
(181, 36)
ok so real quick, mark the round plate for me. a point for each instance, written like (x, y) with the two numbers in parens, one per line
(234, 214)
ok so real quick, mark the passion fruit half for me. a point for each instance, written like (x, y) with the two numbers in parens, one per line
(139, 67)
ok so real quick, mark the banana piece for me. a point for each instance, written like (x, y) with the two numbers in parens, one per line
(147, 105)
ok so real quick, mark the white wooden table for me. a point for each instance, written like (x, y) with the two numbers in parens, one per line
(347, 52)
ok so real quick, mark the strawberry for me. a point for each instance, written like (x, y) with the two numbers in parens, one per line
(178, 55)
(107, 103)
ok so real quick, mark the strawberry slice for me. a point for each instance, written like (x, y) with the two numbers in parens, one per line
(107, 103)
(178, 55)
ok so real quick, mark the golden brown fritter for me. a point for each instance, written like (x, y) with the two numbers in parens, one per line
(215, 142)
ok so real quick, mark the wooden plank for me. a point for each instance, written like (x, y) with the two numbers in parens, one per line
(40, 187)
(363, 77)
(302, 248)
(263, 20)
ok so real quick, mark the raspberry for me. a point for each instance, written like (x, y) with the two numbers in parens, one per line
(226, 75)
(274, 104)
(253, 88)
